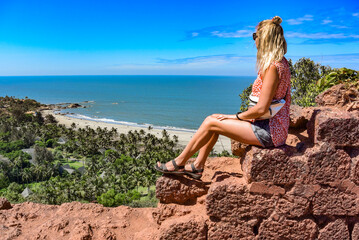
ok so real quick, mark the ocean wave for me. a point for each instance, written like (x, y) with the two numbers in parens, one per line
(144, 125)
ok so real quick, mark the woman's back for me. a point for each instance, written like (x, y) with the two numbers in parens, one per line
(279, 124)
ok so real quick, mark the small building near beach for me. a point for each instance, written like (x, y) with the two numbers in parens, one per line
(27, 192)
(4, 159)
(31, 152)
(66, 168)
(81, 170)
(61, 140)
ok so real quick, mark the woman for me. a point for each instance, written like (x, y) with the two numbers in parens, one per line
(273, 82)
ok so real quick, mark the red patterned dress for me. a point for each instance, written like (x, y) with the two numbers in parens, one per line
(279, 124)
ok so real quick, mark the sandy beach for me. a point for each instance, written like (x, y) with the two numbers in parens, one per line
(223, 142)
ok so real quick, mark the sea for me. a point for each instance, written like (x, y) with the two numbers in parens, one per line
(176, 102)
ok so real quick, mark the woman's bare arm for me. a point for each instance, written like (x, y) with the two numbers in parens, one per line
(269, 87)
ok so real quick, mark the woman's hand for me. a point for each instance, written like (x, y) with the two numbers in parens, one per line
(221, 117)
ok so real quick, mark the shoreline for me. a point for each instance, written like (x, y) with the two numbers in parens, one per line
(111, 121)
(223, 143)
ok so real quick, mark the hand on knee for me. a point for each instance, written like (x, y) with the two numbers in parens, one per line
(215, 115)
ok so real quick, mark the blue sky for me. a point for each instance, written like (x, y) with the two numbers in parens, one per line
(186, 37)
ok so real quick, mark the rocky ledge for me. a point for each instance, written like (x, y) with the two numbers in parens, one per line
(306, 189)
(75, 220)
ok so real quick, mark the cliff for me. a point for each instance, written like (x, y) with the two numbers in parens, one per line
(307, 189)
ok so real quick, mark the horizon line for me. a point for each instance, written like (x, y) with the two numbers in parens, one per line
(79, 75)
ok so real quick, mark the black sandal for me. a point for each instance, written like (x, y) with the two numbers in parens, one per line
(195, 173)
(163, 168)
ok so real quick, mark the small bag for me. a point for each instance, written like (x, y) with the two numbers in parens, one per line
(274, 108)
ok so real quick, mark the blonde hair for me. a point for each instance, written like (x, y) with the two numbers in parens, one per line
(271, 43)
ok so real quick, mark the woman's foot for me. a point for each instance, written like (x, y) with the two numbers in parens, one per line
(170, 167)
(193, 171)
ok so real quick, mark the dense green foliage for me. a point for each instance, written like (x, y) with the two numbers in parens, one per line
(304, 76)
(118, 167)
(341, 75)
(4, 180)
(308, 80)
(245, 98)
(111, 198)
(7, 147)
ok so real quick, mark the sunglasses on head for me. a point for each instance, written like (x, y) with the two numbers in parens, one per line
(254, 36)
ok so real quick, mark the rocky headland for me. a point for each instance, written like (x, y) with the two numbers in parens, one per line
(306, 189)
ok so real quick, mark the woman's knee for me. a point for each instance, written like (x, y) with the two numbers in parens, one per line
(209, 121)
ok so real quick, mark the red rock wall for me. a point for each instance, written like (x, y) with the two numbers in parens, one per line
(307, 191)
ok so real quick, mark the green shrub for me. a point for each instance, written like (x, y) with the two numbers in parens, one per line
(16, 154)
(195, 155)
(224, 153)
(113, 199)
(50, 143)
(49, 118)
(6, 147)
(13, 192)
(39, 118)
(310, 79)
(341, 75)
(149, 200)
(304, 75)
(4, 136)
(42, 155)
(4, 180)
(245, 98)
(40, 143)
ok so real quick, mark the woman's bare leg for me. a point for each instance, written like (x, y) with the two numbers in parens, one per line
(180, 161)
(204, 152)
(234, 129)
(199, 140)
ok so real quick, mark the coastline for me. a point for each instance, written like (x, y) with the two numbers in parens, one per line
(223, 143)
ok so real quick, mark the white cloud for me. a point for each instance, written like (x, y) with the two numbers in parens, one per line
(339, 26)
(326, 21)
(236, 34)
(195, 34)
(222, 64)
(355, 14)
(320, 35)
(297, 21)
(209, 59)
(135, 66)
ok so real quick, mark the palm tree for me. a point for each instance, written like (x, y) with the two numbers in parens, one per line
(37, 171)
(26, 175)
(147, 177)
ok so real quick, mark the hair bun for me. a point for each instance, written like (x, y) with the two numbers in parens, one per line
(277, 20)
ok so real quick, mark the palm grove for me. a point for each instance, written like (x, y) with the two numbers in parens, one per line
(117, 166)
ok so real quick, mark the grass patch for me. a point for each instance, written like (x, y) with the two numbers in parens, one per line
(72, 163)
(34, 184)
(144, 190)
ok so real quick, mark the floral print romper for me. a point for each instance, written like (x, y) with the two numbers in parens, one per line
(279, 124)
